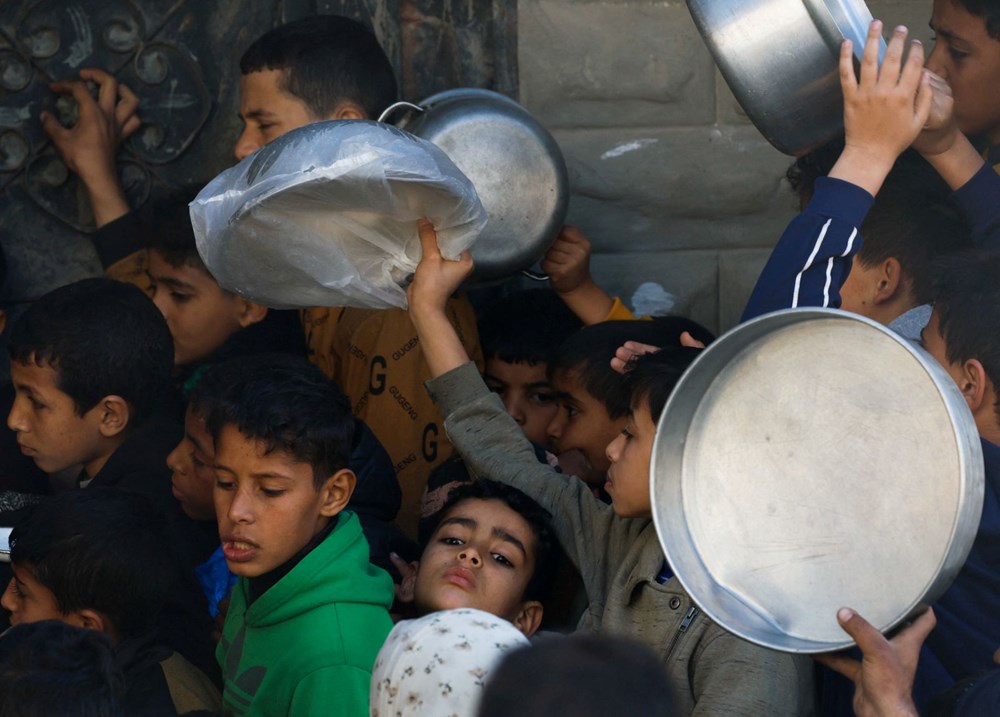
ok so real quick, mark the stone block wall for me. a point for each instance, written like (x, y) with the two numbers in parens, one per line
(669, 179)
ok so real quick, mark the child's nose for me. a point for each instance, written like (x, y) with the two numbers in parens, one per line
(614, 449)
(245, 145)
(470, 555)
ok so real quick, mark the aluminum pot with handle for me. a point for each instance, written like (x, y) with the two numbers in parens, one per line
(515, 165)
(780, 59)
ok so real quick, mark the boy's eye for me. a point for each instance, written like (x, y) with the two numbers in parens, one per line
(494, 387)
(37, 405)
(272, 492)
(223, 484)
(628, 434)
(452, 541)
(502, 559)
(571, 410)
(180, 298)
(197, 462)
(542, 398)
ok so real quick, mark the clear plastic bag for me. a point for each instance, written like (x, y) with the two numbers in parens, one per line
(326, 215)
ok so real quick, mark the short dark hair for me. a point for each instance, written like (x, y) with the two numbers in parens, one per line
(166, 222)
(966, 297)
(537, 518)
(99, 549)
(102, 337)
(912, 221)
(288, 404)
(584, 675)
(988, 11)
(589, 351)
(51, 668)
(526, 326)
(652, 377)
(327, 59)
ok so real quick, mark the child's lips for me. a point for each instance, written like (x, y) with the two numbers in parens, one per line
(462, 577)
(26, 450)
(238, 549)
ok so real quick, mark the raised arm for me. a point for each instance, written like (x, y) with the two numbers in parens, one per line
(884, 111)
(90, 146)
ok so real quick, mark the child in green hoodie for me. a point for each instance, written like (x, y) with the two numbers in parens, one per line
(309, 612)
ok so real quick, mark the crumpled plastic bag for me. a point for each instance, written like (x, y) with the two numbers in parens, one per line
(326, 215)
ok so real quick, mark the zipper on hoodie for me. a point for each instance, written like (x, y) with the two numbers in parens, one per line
(686, 621)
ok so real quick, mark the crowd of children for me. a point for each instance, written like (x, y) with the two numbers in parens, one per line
(257, 496)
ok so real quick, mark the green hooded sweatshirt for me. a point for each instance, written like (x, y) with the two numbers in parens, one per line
(307, 645)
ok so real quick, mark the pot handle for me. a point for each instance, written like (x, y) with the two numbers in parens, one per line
(395, 106)
(535, 275)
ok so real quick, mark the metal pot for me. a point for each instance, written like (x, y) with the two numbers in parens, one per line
(515, 165)
(811, 459)
(780, 59)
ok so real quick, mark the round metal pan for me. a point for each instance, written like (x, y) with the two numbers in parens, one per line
(809, 460)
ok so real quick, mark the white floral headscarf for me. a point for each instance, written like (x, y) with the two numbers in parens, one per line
(437, 666)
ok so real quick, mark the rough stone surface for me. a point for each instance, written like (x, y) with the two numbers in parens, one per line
(738, 272)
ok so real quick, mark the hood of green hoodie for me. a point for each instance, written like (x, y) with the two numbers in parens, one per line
(335, 571)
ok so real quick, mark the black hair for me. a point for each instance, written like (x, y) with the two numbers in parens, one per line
(288, 404)
(166, 223)
(652, 377)
(526, 326)
(580, 675)
(805, 170)
(966, 297)
(51, 668)
(99, 549)
(101, 337)
(912, 221)
(538, 519)
(988, 10)
(589, 351)
(326, 59)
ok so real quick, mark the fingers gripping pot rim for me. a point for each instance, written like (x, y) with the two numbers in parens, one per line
(811, 459)
(326, 215)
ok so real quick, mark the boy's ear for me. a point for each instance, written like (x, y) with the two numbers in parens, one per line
(889, 281)
(89, 619)
(976, 388)
(251, 312)
(349, 111)
(337, 492)
(529, 617)
(114, 415)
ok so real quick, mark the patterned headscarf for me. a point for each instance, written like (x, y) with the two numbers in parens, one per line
(437, 666)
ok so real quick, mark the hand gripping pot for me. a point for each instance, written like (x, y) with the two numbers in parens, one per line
(809, 460)
(326, 215)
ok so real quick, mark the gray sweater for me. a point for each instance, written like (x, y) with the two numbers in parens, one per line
(712, 672)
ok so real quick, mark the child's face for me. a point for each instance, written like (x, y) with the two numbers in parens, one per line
(27, 600)
(969, 59)
(267, 111)
(581, 421)
(193, 479)
(47, 425)
(526, 394)
(200, 315)
(482, 555)
(266, 503)
(628, 476)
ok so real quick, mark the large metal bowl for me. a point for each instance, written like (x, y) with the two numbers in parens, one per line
(810, 460)
(515, 165)
(779, 58)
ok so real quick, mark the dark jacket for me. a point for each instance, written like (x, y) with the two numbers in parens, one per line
(161, 683)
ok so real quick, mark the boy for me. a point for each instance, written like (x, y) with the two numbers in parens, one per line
(96, 559)
(90, 363)
(615, 547)
(519, 333)
(963, 323)
(491, 550)
(308, 613)
(317, 68)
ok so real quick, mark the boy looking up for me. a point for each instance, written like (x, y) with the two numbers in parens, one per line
(615, 547)
(96, 559)
(491, 550)
(309, 612)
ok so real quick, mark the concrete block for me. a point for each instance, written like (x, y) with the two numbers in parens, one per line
(608, 64)
(684, 283)
(738, 272)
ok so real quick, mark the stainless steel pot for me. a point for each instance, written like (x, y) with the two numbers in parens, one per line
(515, 165)
(779, 58)
(812, 459)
